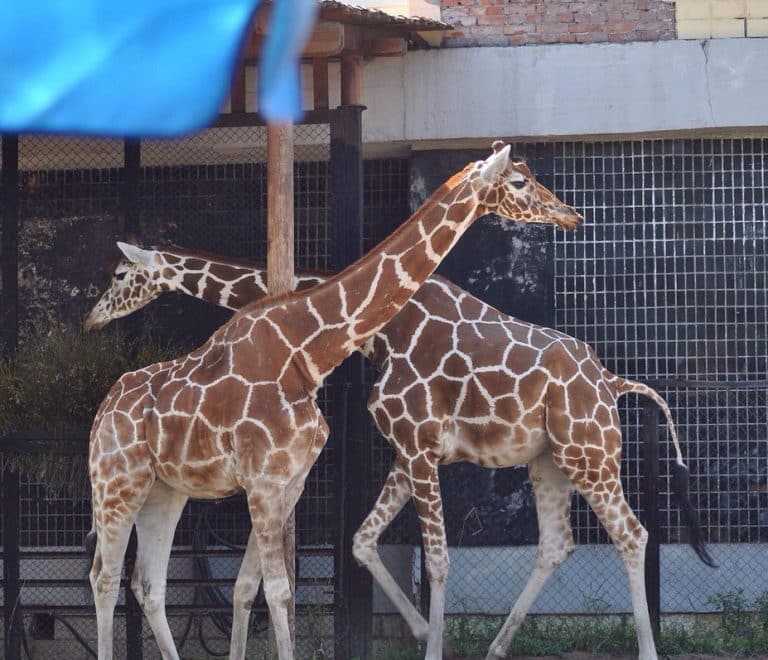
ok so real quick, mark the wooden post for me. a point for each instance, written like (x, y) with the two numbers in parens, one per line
(279, 208)
(280, 280)
(351, 79)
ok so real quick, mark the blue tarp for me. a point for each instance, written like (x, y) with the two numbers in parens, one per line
(139, 68)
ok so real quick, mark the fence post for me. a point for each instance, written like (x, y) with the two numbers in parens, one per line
(11, 565)
(130, 199)
(651, 508)
(134, 647)
(353, 618)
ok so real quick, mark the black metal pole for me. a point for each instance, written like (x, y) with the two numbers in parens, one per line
(131, 228)
(11, 565)
(133, 622)
(651, 507)
(130, 199)
(353, 619)
(10, 252)
(10, 336)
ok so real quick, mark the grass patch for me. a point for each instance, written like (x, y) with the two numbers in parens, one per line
(743, 632)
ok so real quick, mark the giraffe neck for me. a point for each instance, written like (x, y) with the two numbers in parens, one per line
(343, 313)
(220, 281)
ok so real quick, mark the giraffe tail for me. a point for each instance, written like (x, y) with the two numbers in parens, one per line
(90, 544)
(681, 475)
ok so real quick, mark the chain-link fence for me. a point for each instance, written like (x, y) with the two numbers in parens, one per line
(667, 280)
(206, 192)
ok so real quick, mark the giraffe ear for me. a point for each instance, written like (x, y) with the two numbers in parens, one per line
(136, 254)
(495, 165)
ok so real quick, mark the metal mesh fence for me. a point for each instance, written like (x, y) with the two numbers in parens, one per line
(667, 280)
(206, 192)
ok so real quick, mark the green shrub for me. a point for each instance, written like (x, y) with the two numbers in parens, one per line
(53, 385)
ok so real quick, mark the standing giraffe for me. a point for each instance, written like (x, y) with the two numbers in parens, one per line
(487, 378)
(240, 412)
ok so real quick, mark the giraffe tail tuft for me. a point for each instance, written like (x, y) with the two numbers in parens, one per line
(680, 480)
(681, 474)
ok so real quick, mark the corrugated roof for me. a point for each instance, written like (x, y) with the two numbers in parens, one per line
(345, 13)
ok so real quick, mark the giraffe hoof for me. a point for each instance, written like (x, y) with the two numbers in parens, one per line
(495, 654)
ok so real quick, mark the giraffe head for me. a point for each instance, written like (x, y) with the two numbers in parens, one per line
(508, 188)
(134, 284)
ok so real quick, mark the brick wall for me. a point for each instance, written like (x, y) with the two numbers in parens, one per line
(520, 22)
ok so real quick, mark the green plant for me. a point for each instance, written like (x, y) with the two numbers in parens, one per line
(736, 618)
(53, 384)
(761, 609)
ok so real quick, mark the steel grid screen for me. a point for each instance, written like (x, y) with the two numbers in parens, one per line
(667, 279)
(386, 206)
(210, 192)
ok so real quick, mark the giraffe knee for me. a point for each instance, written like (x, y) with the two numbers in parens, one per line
(364, 549)
(104, 584)
(437, 566)
(552, 555)
(245, 594)
(277, 590)
(150, 596)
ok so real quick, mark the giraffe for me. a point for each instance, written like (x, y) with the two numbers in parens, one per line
(467, 359)
(240, 414)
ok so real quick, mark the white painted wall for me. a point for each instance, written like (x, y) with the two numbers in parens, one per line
(565, 90)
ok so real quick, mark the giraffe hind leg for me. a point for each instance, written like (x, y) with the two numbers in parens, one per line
(105, 575)
(393, 496)
(590, 456)
(553, 493)
(155, 525)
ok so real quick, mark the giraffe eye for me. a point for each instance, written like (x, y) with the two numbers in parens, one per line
(519, 183)
(120, 276)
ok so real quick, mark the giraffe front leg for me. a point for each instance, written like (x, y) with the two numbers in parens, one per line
(246, 588)
(105, 582)
(267, 505)
(553, 493)
(425, 487)
(393, 496)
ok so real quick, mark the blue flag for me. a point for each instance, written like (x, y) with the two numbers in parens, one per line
(140, 68)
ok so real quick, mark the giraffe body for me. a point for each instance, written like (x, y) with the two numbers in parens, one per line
(240, 412)
(490, 381)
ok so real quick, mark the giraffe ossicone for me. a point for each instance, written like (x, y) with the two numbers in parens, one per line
(240, 412)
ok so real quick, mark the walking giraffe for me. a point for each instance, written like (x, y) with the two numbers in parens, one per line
(240, 412)
(486, 375)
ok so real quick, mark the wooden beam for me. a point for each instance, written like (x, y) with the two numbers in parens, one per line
(327, 40)
(385, 47)
(237, 93)
(320, 83)
(280, 280)
(351, 79)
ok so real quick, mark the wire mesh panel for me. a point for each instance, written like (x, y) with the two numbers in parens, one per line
(667, 279)
(386, 206)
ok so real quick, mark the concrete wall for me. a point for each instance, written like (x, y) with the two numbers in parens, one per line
(488, 580)
(564, 90)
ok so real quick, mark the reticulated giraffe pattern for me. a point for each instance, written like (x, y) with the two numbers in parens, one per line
(239, 413)
(460, 380)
